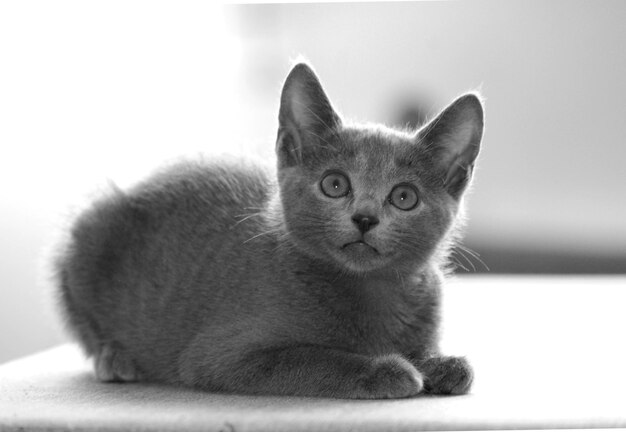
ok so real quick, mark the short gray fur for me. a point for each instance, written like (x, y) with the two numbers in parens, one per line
(220, 275)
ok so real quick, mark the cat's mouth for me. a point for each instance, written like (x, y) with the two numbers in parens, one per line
(359, 245)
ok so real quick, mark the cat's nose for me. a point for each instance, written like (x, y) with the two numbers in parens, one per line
(364, 222)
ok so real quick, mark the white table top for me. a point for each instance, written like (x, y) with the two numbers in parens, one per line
(548, 352)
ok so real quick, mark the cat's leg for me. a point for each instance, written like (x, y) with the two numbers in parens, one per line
(307, 371)
(447, 375)
(112, 364)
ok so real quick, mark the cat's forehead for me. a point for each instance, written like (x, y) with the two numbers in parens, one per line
(375, 149)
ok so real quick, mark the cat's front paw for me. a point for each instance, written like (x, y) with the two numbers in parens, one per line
(447, 375)
(390, 377)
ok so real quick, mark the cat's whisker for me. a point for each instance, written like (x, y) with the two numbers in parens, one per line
(261, 234)
(284, 243)
(460, 252)
(457, 263)
(246, 214)
(400, 279)
(475, 255)
(459, 256)
(245, 218)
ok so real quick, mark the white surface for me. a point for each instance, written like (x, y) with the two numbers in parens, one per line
(547, 353)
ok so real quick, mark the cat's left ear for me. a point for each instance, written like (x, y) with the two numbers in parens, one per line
(453, 138)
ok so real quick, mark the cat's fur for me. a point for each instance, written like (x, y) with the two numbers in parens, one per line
(219, 276)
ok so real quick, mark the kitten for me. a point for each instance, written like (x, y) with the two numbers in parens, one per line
(324, 281)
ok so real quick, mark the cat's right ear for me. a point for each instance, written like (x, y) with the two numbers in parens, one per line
(306, 115)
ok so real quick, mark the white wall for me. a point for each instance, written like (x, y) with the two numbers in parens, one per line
(93, 91)
(90, 91)
(551, 173)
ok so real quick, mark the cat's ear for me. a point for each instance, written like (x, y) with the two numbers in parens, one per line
(305, 116)
(453, 140)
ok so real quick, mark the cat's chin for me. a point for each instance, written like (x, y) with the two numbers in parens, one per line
(360, 257)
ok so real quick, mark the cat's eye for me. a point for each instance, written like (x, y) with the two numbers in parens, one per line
(335, 185)
(404, 197)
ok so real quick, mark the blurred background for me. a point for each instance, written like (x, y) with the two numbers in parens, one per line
(91, 92)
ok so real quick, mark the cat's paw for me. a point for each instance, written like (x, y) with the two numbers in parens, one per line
(447, 375)
(113, 365)
(390, 377)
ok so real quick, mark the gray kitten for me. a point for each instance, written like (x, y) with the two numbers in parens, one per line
(323, 282)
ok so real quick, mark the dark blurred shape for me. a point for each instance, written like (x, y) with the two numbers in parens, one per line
(524, 261)
(412, 116)
(412, 111)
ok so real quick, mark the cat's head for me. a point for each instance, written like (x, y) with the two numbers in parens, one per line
(369, 197)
